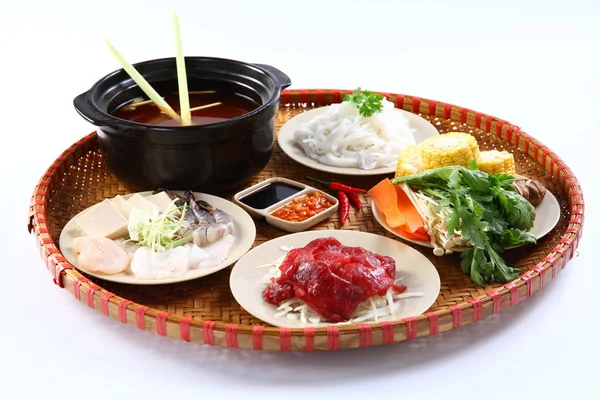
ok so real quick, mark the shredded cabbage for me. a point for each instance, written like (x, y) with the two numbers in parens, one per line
(157, 230)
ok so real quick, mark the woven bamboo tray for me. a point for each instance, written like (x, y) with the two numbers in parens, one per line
(205, 311)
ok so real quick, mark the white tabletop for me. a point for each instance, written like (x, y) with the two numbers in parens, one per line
(533, 64)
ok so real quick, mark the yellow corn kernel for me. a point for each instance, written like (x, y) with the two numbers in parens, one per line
(453, 148)
(496, 162)
(409, 161)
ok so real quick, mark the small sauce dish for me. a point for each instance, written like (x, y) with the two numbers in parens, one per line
(286, 204)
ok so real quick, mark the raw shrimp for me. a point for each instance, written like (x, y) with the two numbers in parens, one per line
(100, 255)
(213, 223)
(189, 219)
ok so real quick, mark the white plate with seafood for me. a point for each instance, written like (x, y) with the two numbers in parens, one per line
(224, 251)
(250, 277)
(422, 129)
(546, 217)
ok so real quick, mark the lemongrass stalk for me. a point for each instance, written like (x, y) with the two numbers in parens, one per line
(206, 106)
(143, 84)
(184, 99)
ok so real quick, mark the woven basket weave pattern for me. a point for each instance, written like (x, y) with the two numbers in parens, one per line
(204, 310)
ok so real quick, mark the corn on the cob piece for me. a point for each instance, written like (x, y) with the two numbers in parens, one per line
(453, 148)
(496, 162)
(409, 161)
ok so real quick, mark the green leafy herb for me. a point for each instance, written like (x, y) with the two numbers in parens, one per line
(486, 210)
(368, 103)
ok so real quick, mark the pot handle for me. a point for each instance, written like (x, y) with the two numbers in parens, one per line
(282, 79)
(84, 106)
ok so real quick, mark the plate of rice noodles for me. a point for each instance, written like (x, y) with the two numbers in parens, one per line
(322, 278)
(340, 139)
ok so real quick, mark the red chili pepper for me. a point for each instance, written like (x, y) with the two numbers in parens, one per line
(355, 200)
(337, 186)
(344, 206)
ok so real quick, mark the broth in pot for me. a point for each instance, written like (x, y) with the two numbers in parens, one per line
(207, 107)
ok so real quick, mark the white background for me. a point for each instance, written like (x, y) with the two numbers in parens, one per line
(533, 63)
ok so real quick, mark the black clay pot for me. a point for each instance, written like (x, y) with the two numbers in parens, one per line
(211, 158)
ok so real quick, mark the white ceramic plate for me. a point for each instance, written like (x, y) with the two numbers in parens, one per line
(245, 233)
(424, 130)
(418, 273)
(546, 217)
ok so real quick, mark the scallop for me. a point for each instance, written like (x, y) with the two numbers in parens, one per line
(100, 254)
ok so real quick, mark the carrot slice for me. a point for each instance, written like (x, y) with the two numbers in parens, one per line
(386, 199)
(419, 234)
(408, 211)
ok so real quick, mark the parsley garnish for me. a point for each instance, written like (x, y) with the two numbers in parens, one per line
(487, 211)
(368, 103)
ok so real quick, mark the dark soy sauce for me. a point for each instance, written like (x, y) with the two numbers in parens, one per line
(232, 105)
(270, 194)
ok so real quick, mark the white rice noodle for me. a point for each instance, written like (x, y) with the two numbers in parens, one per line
(342, 137)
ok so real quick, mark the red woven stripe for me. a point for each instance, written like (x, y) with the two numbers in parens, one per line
(575, 192)
(545, 157)
(208, 333)
(526, 144)
(123, 310)
(569, 185)
(542, 271)
(499, 126)
(488, 123)
(319, 94)
(529, 283)
(411, 328)
(536, 151)
(560, 250)
(303, 93)
(463, 115)
(257, 337)
(90, 295)
(364, 335)
(577, 202)
(514, 293)
(416, 105)
(552, 261)
(161, 323)
(432, 107)
(231, 335)
(333, 337)
(566, 240)
(478, 119)
(140, 313)
(400, 101)
(509, 133)
(553, 162)
(517, 136)
(309, 337)
(447, 111)
(434, 323)
(104, 302)
(477, 309)
(285, 339)
(77, 288)
(456, 316)
(285, 97)
(388, 332)
(497, 299)
(386, 95)
(336, 96)
(576, 211)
